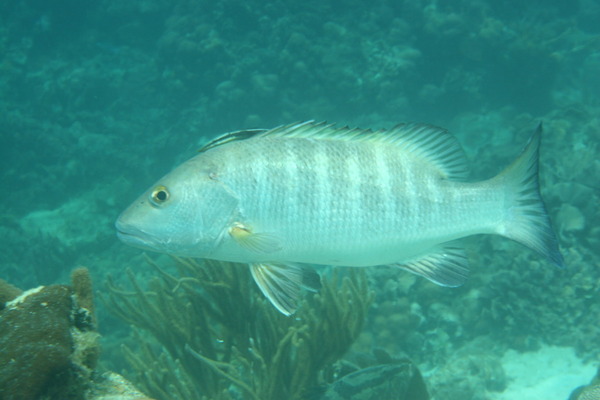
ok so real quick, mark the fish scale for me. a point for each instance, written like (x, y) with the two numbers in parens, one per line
(313, 194)
(345, 198)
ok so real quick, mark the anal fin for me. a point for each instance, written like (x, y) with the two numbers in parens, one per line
(282, 283)
(445, 265)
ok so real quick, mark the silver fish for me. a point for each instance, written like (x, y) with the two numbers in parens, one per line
(313, 193)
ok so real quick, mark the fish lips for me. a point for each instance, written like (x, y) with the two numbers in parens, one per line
(133, 236)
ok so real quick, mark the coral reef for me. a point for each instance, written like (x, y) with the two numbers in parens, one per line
(83, 290)
(470, 373)
(111, 386)
(36, 337)
(221, 339)
(379, 377)
(50, 345)
(86, 350)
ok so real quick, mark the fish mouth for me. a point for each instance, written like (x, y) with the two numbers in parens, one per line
(130, 235)
(126, 236)
(133, 236)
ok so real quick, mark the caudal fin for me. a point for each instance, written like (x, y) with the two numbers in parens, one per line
(527, 220)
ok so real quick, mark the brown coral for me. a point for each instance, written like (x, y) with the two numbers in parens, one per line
(36, 345)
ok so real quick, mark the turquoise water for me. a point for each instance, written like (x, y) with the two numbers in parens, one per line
(99, 99)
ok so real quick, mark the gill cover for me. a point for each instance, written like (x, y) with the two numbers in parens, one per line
(219, 205)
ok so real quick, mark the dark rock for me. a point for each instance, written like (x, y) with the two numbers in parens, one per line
(36, 345)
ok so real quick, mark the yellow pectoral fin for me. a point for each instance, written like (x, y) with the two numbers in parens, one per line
(258, 242)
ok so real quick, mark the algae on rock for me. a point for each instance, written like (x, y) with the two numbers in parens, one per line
(222, 340)
(48, 340)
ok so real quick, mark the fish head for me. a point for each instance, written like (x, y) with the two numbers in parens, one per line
(185, 213)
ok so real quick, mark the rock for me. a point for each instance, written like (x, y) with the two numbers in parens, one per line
(589, 392)
(397, 380)
(36, 345)
(570, 218)
(111, 386)
(50, 345)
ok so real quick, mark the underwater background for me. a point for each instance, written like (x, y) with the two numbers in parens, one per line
(98, 99)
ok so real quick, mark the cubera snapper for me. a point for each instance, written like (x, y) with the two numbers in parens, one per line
(315, 194)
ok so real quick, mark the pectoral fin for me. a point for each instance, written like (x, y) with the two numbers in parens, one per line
(259, 242)
(444, 266)
(283, 283)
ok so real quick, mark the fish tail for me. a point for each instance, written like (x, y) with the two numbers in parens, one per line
(527, 220)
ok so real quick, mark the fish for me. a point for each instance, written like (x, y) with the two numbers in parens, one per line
(400, 380)
(302, 195)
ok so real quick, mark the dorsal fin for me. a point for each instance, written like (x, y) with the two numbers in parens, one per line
(432, 144)
(230, 137)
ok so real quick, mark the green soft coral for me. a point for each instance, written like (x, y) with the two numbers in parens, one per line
(221, 339)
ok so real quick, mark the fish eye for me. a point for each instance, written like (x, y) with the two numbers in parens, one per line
(159, 195)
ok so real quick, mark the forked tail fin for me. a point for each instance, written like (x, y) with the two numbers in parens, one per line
(527, 220)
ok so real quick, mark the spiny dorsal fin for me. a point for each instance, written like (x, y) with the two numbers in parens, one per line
(432, 144)
(230, 137)
(249, 133)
